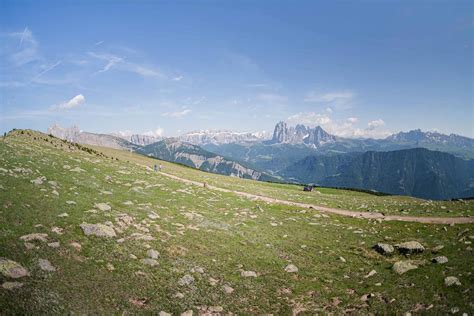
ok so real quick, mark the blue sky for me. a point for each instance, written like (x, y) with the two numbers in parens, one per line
(357, 68)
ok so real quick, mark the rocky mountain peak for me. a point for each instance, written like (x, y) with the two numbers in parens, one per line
(301, 134)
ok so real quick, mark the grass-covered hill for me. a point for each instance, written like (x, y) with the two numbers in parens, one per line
(95, 231)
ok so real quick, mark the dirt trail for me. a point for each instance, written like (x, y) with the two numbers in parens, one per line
(356, 214)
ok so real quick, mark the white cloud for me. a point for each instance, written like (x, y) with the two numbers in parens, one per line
(178, 78)
(352, 120)
(177, 114)
(271, 98)
(309, 119)
(156, 133)
(336, 96)
(73, 103)
(374, 124)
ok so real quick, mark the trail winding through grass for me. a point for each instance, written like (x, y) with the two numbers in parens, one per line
(366, 215)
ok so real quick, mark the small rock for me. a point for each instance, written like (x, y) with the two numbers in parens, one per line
(384, 249)
(11, 285)
(440, 260)
(103, 206)
(437, 249)
(186, 280)
(76, 245)
(35, 236)
(149, 262)
(162, 313)
(63, 215)
(228, 289)
(110, 267)
(45, 265)
(410, 247)
(342, 259)
(371, 273)
(401, 267)
(187, 313)
(12, 269)
(153, 254)
(179, 295)
(71, 203)
(213, 282)
(248, 274)
(291, 268)
(54, 244)
(215, 309)
(451, 280)
(57, 230)
(198, 270)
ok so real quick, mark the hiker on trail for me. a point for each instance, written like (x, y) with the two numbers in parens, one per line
(161, 167)
(156, 168)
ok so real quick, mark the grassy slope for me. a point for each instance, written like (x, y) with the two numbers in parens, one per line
(221, 233)
(351, 200)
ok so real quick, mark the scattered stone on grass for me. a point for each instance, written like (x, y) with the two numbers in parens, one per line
(248, 274)
(149, 262)
(228, 289)
(103, 206)
(12, 269)
(186, 280)
(452, 280)
(99, 230)
(153, 254)
(45, 265)
(11, 285)
(440, 260)
(291, 268)
(400, 267)
(35, 236)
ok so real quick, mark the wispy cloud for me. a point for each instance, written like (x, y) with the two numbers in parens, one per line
(27, 49)
(334, 99)
(177, 114)
(120, 63)
(271, 98)
(111, 60)
(73, 103)
(48, 69)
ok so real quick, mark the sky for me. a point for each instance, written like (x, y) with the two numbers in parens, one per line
(357, 68)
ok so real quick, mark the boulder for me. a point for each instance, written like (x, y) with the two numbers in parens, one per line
(384, 249)
(410, 247)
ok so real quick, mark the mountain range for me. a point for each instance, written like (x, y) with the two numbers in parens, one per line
(417, 163)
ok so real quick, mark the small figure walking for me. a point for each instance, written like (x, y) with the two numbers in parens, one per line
(161, 167)
(155, 168)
